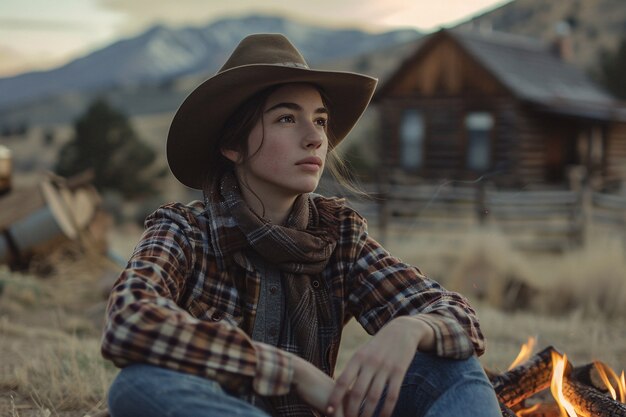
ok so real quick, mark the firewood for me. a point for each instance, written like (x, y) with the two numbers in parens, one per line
(588, 374)
(526, 379)
(589, 402)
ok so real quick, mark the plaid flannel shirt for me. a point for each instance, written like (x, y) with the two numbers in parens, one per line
(185, 303)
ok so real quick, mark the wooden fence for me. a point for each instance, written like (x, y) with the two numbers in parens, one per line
(608, 215)
(534, 220)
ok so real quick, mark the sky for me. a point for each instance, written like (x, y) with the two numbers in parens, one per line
(41, 34)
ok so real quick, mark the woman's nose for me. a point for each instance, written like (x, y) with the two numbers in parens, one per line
(314, 137)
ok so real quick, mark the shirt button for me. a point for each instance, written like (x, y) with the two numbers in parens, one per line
(316, 284)
(273, 332)
(273, 289)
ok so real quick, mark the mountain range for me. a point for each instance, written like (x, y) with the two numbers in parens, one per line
(154, 71)
(162, 54)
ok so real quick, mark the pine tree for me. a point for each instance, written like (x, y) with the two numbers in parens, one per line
(105, 141)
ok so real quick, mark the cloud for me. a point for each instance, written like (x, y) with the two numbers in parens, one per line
(13, 62)
(21, 24)
(67, 28)
(351, 13)
(432, 14)
(372, 14)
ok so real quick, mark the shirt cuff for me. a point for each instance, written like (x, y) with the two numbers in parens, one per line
(451, 341)
(274, 371)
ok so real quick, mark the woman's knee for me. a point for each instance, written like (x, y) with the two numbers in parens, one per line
(443, 372)
(429, 377)
(133, 392)
(146, 390)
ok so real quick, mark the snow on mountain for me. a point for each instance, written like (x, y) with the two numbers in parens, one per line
(162, 53)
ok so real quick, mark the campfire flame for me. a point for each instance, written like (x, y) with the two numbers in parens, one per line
(616, 386)
(527, 411)
(556, 385)
(525, 352)
(606, 373)
(622, 387)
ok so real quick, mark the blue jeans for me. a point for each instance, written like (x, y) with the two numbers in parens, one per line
(433, 387)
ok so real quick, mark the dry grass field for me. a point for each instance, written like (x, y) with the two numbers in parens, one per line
(50, 326)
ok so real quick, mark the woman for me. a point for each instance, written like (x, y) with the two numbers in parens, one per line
(235, 305)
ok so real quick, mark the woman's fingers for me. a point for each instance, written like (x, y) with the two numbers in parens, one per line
(374, 395)
(342, 386)
(359, 391)
(361, 385)
(379, 364)
(393, 392)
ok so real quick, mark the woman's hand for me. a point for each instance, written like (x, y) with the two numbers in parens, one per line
(381, 363)
(312, 385)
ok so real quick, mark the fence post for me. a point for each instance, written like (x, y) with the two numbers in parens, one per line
(481, 203)
(582, 214)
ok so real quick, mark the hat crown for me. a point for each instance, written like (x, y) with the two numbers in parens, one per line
(265, 49)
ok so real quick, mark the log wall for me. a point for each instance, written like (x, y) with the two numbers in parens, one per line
(445, 143)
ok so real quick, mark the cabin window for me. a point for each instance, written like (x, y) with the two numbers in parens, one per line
(412, 139)
(479, 126)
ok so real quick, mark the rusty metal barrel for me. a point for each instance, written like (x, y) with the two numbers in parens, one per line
(33, 218)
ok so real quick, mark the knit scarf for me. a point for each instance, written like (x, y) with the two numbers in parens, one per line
(300, 249)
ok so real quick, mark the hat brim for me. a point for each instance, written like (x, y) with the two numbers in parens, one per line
(200, 118)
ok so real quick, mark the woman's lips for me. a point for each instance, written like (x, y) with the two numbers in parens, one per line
(311, 163)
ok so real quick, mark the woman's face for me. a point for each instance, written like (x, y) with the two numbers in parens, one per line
(287, 145)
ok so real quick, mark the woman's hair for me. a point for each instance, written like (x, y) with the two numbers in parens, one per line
(234, 136)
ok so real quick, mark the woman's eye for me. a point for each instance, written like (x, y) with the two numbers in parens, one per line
(286, 119)
(322, 122)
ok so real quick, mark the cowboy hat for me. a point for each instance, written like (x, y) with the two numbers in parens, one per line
(258, 62)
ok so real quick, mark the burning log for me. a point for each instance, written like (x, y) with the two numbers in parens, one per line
(588, 374)
(526, 379)
(589, 402)
(590, 390)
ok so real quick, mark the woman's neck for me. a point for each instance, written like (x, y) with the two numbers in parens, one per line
(271, 207)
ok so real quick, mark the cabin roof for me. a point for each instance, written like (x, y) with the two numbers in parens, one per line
(533, 73)
(530, 69)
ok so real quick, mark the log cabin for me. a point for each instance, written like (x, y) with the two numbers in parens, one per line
(470, 104)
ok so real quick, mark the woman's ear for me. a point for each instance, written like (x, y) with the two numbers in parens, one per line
(231, 155)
